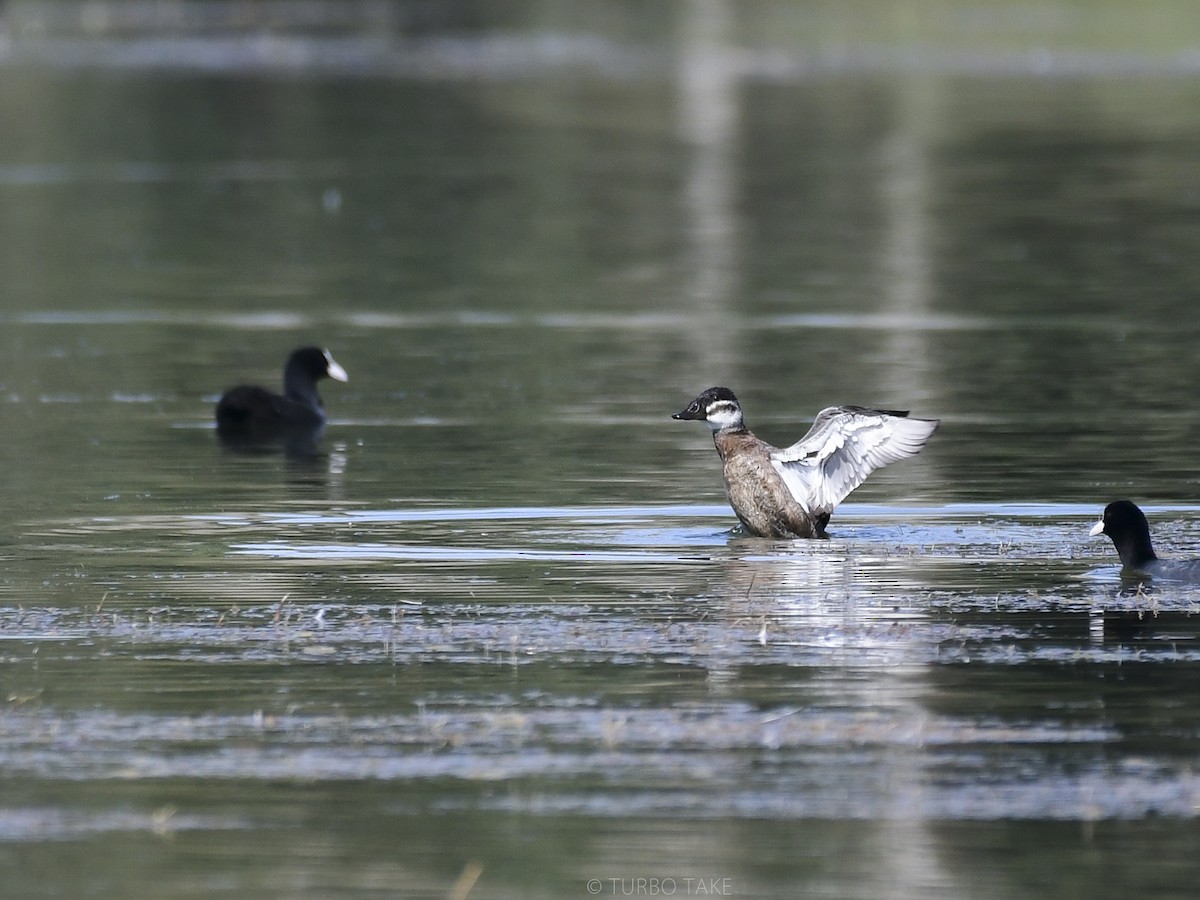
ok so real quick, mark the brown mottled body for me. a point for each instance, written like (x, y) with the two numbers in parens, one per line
(780, 492)
(756, 492)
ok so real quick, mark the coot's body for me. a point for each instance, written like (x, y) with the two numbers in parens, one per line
(1126, 525)
(249, 414)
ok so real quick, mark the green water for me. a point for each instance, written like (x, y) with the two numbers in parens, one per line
(496, 638)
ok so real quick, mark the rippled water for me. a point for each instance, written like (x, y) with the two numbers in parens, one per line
(189, 679)
(498, 637)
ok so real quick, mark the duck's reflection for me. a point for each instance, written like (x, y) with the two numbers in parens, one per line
(840, 660)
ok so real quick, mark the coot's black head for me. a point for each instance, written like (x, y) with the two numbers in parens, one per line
(311, 364)
(717, 406)
(1130, 532)
(1121, 517)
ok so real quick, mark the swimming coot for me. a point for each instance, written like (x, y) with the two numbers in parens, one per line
(1126, 525)
(248, 412)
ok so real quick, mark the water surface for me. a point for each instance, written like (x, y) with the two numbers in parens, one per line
(498, 636)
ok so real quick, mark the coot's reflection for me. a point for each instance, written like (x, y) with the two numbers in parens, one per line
(302, 444)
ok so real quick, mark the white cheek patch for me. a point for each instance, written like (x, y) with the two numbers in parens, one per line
(723, 414)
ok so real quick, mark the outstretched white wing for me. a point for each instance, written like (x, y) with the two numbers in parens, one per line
(843, 447)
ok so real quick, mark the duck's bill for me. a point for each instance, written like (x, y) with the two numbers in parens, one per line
(1098, 528)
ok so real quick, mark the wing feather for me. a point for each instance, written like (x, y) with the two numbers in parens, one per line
(843, 447)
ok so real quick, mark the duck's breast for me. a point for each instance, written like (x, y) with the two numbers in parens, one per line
(760, 498)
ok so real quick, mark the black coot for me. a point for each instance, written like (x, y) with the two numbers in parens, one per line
(1126, 525)
(248, 413)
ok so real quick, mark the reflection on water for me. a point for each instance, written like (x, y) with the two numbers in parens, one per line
(694, 673)
(610, 663)
(500, 619)
(614, 664)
